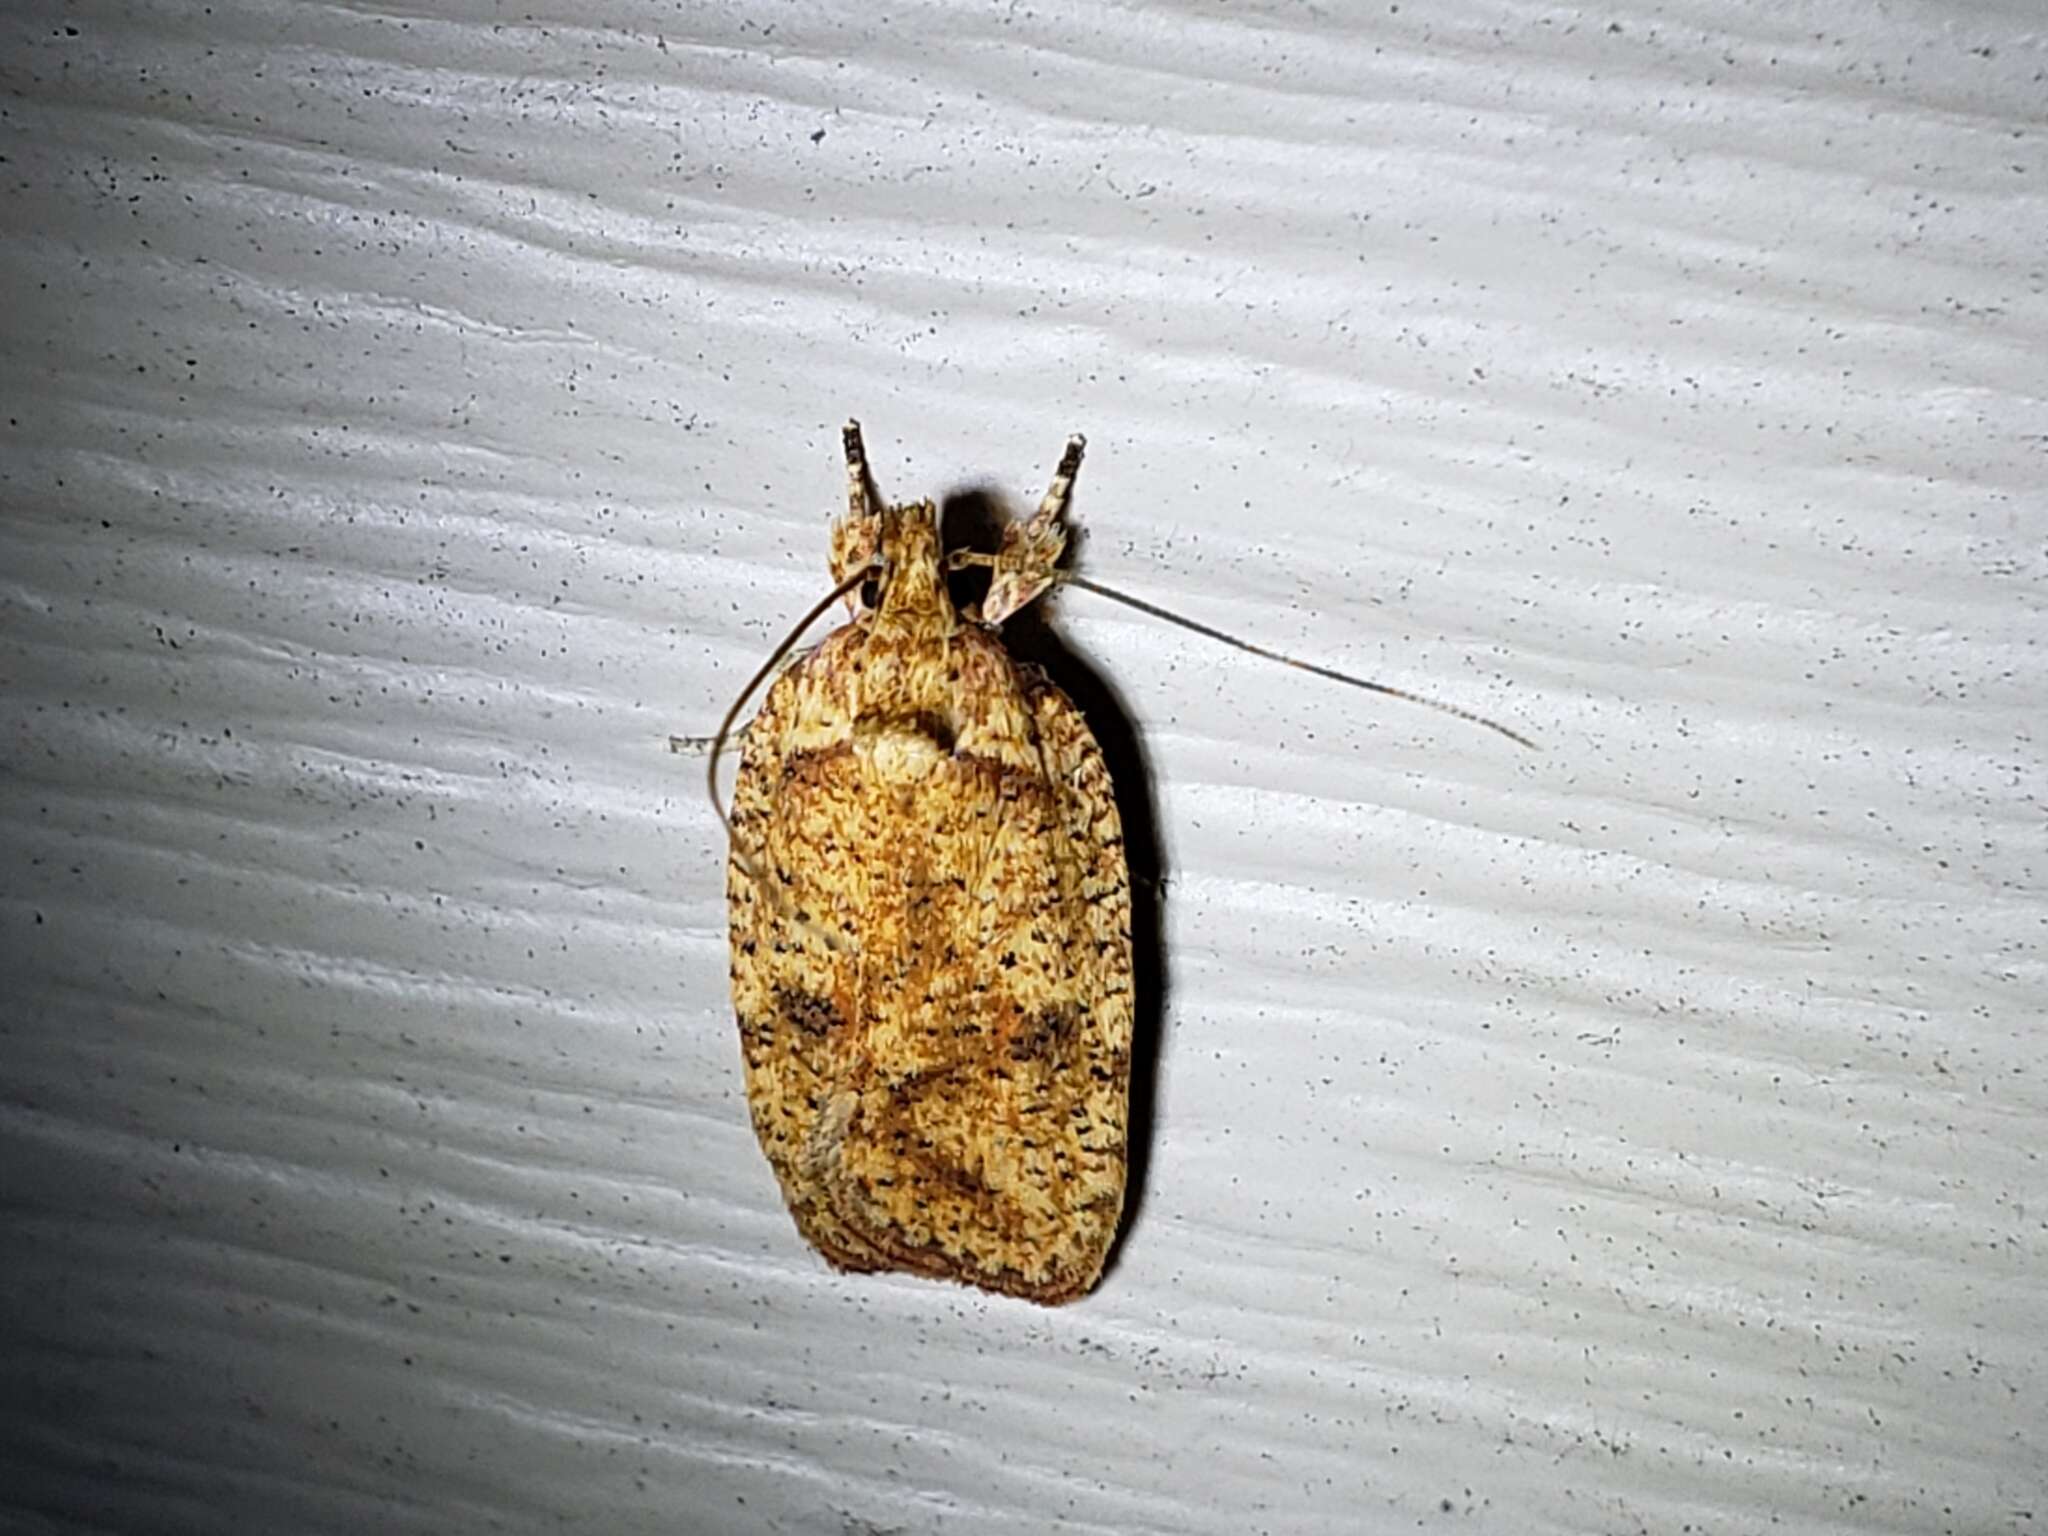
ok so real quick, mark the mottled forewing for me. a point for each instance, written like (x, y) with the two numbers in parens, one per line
(979, 1131)
(794, 882)
(932, 964)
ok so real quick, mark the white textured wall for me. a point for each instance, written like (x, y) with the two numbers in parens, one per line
(411, 415)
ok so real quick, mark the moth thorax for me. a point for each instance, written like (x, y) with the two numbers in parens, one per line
(903, 748)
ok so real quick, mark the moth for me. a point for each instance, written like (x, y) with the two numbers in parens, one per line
(930, 923)
(930, 918)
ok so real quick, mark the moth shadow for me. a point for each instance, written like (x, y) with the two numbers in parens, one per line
(974, 518)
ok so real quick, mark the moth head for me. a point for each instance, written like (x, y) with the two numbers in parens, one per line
(909, 584)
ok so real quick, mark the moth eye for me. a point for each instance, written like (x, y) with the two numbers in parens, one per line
(871, 589)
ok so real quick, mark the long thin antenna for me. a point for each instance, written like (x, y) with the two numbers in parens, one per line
(1307, 666)
(788, 644)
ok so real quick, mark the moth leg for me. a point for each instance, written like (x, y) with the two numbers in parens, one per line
(697, 746)
(1028, 561)
(969, 560)
(857, 536)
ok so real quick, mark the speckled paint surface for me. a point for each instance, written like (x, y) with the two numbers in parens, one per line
(411, 417)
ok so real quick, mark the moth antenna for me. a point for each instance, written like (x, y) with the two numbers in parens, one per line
(774, 660)
(1388, 689)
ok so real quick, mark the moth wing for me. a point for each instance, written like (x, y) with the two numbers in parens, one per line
(791, 985)
(980, 1130)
